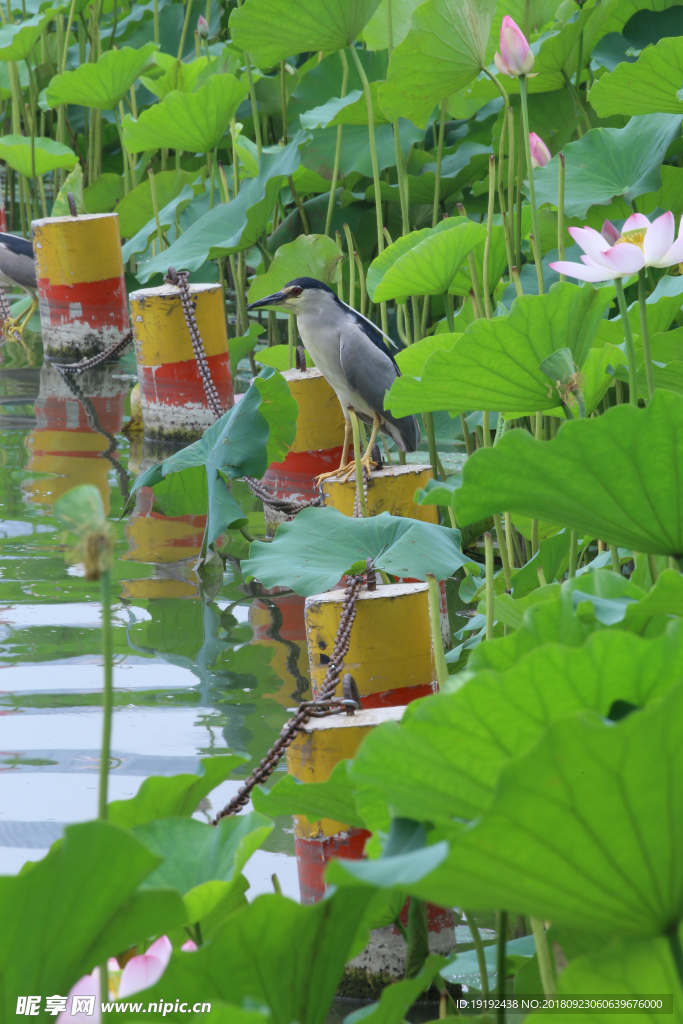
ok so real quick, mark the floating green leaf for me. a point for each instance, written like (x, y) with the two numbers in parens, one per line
(104, 84)
(15, 150)
(444, 50)
(650, 86)
(301, 25)
(496, 363)
(195, 122)
(609, 162)
(616, 477)
(314, 551)
(92, 876)
(308, 256)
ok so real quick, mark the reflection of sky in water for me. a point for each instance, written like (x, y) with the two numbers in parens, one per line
(194, 676)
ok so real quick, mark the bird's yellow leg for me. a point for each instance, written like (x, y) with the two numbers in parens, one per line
(367, 458)
(23, 323)
(343, 465)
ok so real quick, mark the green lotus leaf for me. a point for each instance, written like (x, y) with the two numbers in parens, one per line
(104, 84)
(650, 86)
(15, 150)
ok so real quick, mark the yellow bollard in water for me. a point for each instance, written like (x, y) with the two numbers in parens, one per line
(174, 403)
(391, 489)
(81, 289)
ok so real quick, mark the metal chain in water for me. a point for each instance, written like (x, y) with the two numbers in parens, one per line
(180, 281)
(325, 704)
(288, 506)
(113, 352)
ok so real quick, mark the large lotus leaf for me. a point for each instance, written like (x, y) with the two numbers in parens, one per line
(308, 256)
(231, 226)
(194, 122)
(195, 856)
(444, 50)
(313, 552)
(259, 430)
(376, 32)
(104, 193)
(627, 969)
(273, 953)
(609, 162)
(383, 263)
(496, 363)
(92, 878)
(650, 86)
(429, 267)
(15, 150)
(301, 25)
(319, 153)
(669, 196)
(352, 109)
(616, 477)
(17, 41)
(163, 796)
(584, 829)
(662, 305)
(136, 209)
(104, 84)
(139, 243)
(498, 716)
(412, 360)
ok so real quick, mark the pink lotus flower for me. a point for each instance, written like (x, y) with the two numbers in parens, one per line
(640, 244)
(88, 989)
(515, 57)
(144, 971)
(189, 947)
(540, 154)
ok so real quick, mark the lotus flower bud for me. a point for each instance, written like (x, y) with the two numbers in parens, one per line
(515, 57)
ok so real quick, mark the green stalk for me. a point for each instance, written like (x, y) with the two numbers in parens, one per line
(511, 181)
(183, 34)
(235, 159)
(435, 620)
(252, 99)
(476, 290)
(630, 347)
(500, 537)
(577, 80)
(645, 335)
(291, 338)
(155, 207)
(506, 220)
(616, 564)
(530, 172)
(560, 212)
(283, 102)
(361, 281)
(488, 551)
(375, 168)
(573, 547)
(479, 948)
(352, 266)
(156, 22)
(67, 36)
(439, 158)
(337, 152)
(403, 190)
(108, 697)
(299, 205)
(487, 244)
(428, 420)
(545, 966)
(538, 432)
(359, 468)
(500, 964)
(510, 547)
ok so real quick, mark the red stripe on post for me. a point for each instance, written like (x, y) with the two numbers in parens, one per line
(97, 303)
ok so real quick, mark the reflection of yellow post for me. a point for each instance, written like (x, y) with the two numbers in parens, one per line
(174, 403)
(391, 489)
(277, 621)
(64, 442)
(172, 543)
(390, 653)
(81, 289)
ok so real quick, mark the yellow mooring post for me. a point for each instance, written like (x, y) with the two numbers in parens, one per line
(317, 446)
(319, 746)
(81, 289)
(390, 654)
(174, 403)
(391, 489)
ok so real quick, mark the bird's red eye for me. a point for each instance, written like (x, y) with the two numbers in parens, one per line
(295, 291)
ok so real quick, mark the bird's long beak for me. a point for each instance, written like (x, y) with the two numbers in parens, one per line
(277, 299)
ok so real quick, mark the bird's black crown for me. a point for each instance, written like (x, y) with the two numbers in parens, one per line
(308, 283)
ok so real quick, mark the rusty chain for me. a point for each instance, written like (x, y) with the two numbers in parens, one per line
(288, 506)
(325, 704)
(179, 279)
(109, 354)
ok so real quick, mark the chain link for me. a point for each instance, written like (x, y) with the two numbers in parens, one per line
(325, 704)
(109, 354)
(179, 279)
(288, 506)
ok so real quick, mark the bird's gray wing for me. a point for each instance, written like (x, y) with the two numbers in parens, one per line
(370, 372)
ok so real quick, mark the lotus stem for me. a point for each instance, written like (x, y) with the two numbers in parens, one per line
(616, 564)
(469, 447)
(545, 966)
(479, 948)
(573, 546)
(435, 620)
(156, 22)
(69, 23)
(439, 158)
(359, 467)
(500, 963)
(337, 152)
(645, 335)
(283, 102)
(352, 266)
(155, 207)
(488, 552)
(530, 172)
(299, 205)
(500, 537)
(375, 169)
(186, 22)
(630, 347)
(487, 244)
(108, 696)
(509, 540)
(428, 419)
(560, 211)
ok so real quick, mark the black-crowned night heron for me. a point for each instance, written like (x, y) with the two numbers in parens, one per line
(351, 354)
(17, 266)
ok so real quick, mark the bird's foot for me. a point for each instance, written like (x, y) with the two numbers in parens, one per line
(368, 462)
(336, 474)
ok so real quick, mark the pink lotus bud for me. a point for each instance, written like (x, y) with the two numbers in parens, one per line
(189, 947)
(540, 154)
(610, 233)
(515, 57)
(202, 27)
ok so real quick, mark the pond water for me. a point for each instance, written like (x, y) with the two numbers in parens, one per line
(196, 673)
